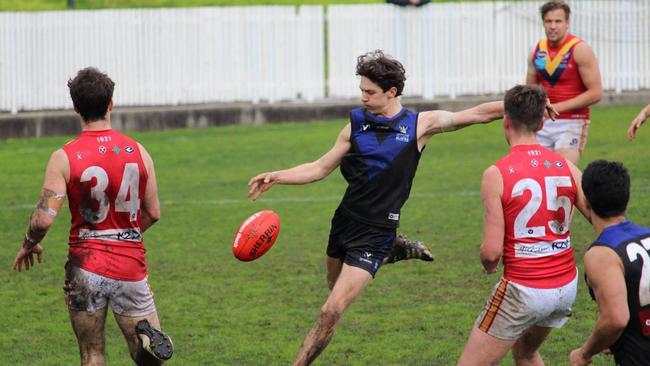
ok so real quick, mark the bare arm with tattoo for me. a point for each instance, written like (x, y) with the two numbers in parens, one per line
(49, 204)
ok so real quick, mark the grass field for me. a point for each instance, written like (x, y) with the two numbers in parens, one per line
(220, 311)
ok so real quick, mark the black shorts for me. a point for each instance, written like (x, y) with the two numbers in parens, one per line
(358, 244)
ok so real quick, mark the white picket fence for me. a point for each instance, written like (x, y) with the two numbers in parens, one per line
(273, 53)
(164, 56)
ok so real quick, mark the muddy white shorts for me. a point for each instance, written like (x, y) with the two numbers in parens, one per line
(564, 134)
(87, 291)
(513, 308)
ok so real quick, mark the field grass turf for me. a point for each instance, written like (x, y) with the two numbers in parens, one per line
(220, 311)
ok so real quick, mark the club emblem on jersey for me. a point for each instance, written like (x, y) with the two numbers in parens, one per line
(403, 128)
(364, 127)
(102, 149)
(547, 164)
(116, 149)
(559, 164)
(79, 157)
(511, 170)
(534, 163)
(129, 149)
(402, 137)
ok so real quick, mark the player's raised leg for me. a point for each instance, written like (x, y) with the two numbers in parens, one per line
(147, 344)
(405, 248)
(89, 330)
(350, 284)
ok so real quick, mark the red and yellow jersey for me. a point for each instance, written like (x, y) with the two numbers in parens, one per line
(107, 183)
(558, 73)
(538, 199)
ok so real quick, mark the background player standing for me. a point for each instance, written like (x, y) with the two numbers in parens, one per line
(110, 182)
(566, 67)
(378, 152)
(617, 266)
(528, 199)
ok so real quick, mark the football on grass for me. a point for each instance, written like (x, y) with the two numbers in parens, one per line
(256, 235)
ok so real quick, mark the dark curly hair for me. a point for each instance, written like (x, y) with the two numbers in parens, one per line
(382, 70)
(91, 92)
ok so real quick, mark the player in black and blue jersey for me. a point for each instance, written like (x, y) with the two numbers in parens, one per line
(378, 153)
(617, 269)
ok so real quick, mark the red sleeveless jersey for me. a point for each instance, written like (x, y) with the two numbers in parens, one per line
(107, 183)
(558, 73)
(538, 199)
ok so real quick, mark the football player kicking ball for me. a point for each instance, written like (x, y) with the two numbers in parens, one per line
(110, 182)
(378, 152)
(528, 198)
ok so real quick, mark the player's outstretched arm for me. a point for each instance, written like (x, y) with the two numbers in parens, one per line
(303, 173)
(493, 220)
(49, 204)
(434, 122)
(604, 271)
(150, 212)
(638, 122)
(590, 75)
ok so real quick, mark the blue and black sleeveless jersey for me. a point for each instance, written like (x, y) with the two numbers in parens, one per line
(632, 244)
(379, 167)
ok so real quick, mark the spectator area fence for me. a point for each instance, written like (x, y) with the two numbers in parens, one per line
(306, 53)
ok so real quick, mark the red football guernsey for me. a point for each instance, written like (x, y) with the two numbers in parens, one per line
(538, 199)
(558, 73)
(107, 183)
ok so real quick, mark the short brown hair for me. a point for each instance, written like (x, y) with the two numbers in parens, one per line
(554, 5)
(524, 105)
(382, 70)
(91, 92)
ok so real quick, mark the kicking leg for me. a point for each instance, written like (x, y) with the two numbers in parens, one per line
(89, 329)
(148, 345)
(526, 349)
(349, 285)
(404, 248)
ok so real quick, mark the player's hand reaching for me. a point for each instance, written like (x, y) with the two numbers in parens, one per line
(638, 122)
(25, 256)
(550, 111)
(260, 184)
(578, 358)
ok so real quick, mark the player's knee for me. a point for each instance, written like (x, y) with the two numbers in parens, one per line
(330, 314)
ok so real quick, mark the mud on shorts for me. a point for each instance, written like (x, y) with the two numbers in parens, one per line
(359, 245)
(89, 292)
(564, 134)
(513, 308)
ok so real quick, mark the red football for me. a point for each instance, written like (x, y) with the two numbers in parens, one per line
(256, 235)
